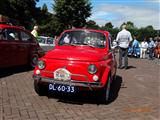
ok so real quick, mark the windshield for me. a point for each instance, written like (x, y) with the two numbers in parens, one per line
(85, 37)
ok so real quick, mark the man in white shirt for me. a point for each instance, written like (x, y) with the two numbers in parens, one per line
(123, 40)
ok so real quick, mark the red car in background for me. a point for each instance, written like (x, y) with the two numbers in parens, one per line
(17, 47)
(81, 60)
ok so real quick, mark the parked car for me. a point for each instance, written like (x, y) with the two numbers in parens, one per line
(18, 47)
(81, 60)
(134, 52)
(46, 43)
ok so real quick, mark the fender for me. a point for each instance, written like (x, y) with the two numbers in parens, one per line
(104, 79)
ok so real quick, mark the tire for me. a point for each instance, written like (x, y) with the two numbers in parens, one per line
(106, 92)
(39, 88)
(33, 60)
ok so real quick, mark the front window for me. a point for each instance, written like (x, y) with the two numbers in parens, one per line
(25, 37)
(12, 34)
(90, 38)
(2, 35)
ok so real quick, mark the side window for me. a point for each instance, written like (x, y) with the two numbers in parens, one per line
(109, 42)
(2, 35)
(25, 37)
(12, 34)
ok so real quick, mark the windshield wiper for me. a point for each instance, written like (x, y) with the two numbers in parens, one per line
(71, 44)
(88, 45)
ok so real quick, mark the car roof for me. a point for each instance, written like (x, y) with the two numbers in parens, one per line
(83, 29)
(12, 26)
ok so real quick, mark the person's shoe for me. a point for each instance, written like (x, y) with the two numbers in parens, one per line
(126, 68)
(120, 67)
(123, 85)
(150, 58)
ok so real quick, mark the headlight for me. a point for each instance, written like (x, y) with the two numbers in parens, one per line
(92, 69)
(41, 64)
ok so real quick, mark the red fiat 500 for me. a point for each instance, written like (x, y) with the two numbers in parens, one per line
(82, 59)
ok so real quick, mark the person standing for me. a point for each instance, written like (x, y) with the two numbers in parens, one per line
(123, 40)
(35, 31)
(151, 46)
(157, 48)
(135, 46)
(144, 46)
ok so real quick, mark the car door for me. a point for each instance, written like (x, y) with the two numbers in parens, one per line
(18, 50)
(111, 56)
(9, 47)
(5, 60)
(26, 40)
(23, 47)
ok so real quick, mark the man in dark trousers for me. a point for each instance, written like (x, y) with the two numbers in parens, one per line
(123, 40)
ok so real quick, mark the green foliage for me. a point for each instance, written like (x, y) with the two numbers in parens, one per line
(21, 10)
(67, 13)
(52, 28)
(43, 17)
(72, 12)
(44, 8)
(146, 32)
(92, 25)
(108, 26)
(4, 7)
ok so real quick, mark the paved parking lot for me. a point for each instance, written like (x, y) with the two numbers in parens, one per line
(134, 96)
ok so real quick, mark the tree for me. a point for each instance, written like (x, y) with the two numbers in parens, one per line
(92, 25)
(44, 8)
(72, 12)
(43, 17)
(22, 10)
(147, 32)
(4, 7)
(108, 25)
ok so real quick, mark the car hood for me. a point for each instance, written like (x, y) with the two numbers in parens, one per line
(77, 54)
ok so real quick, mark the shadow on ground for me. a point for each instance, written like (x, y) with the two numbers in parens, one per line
(88, 97)
(14, 70)
(130, 67)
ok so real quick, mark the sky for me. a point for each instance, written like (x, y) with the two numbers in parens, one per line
(141, 12)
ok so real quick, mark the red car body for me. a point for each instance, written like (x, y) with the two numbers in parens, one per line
(17, 47)
(89, 63)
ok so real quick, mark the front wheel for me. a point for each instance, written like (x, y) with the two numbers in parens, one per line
(33, 60)
(38, 88)
(106, 91)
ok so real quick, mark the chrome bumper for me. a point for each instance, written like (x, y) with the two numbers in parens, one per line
(76, 83)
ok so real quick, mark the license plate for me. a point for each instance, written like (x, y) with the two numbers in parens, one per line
(61, 88)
